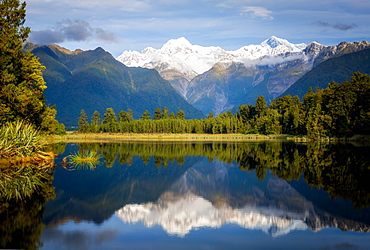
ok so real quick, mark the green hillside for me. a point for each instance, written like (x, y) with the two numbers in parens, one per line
(94, 80)
(337, 69)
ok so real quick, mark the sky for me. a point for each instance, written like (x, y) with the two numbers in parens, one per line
(119, 25)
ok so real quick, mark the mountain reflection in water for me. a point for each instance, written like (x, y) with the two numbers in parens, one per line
(179, 210)
(273, 206)
(277, 188)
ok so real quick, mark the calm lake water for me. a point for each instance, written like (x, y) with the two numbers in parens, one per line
(207, 196)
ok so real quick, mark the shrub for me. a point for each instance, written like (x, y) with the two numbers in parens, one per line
(19, 139)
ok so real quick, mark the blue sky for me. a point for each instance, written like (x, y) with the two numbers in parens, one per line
(119, 25)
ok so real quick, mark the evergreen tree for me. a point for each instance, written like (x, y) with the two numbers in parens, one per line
(157, 114)
(165, 114)
(210, 115)
(180, 115)
(95, 119)
(95, 122)
(130, 115)
(260, 104)
(83, 124)
(109, 122)
(21, 83)
(123, 116)
(145, 116)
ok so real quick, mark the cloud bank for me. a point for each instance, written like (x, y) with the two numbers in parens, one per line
(67, 30)
(338, 26)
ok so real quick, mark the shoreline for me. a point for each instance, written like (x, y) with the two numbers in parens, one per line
(100, 137)
(76, 137)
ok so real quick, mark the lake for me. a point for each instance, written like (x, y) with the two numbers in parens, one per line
(164, 195)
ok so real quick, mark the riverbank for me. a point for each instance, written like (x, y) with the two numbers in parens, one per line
(74, 137)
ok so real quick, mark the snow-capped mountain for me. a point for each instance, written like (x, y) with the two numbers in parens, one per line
(215, 80)
(204, 197)
(192, 60)
(191, 212)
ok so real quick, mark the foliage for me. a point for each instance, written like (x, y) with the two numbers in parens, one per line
(83, 123)
(23, 191)
(21, 83)
(21, 182)
(95, 80)
(83, 160)
(341, 169)
(19, 139)
(338, 69)
(339, 110)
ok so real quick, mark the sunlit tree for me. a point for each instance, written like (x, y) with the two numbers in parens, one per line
(21, 83)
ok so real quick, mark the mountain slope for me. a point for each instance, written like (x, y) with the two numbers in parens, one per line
(94, 80)
(207, 79)
(337, 69)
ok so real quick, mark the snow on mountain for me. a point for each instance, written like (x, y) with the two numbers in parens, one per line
(192, 60)
(191, 212)
(274, 42)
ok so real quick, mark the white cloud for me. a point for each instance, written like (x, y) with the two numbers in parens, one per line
(257, 12)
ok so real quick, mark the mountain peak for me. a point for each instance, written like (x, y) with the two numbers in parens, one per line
(274, 42)
(179, 42)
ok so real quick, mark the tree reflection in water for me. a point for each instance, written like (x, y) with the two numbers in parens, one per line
(24, 190)
(342, 170)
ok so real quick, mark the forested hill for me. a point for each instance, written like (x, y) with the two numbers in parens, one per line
(337, 69)
(94, 80)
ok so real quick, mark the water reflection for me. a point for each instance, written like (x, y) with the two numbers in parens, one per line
(274, 188)
(184, 186)
(342, 170)
(202, 197)
(24, 189)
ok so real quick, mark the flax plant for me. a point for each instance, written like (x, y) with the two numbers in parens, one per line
(20, 183)
(84, 160)
(19, 139)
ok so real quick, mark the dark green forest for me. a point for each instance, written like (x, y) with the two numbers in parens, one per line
(340, 110)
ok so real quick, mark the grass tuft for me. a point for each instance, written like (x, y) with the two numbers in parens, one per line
(19, 139)
(84, 160)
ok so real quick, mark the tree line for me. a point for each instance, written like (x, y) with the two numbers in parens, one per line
(338, 110)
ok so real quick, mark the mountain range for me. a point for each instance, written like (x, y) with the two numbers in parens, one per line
(94, 80)
(216, 80)
(192, 78)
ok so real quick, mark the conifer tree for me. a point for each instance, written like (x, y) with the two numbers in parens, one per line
(95, 122)
(165, 114)
(83, 124)
(180, 115)
(130, 115)
(157, 114)
(109, 121)
(21, 83)
(145, 116)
